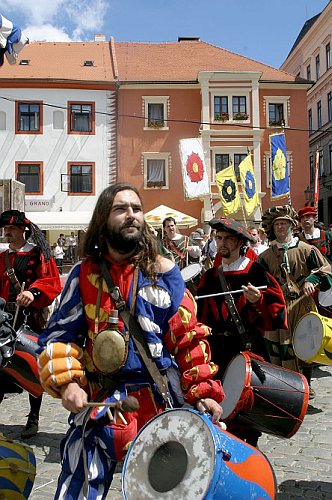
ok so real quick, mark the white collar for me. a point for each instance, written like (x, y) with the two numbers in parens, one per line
(26, 248)
(292, 243)
(314, 235)
(238, 265)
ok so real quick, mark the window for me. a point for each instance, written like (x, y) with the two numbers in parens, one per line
(311, 167)
(317, 67)
(225, 160)
(328, 56)
(221, 108)
(330, 158)
(308, 72)
(155, 112)
(156, 166)
(81, 119)
(30, 174)
(319, 114)
(310, 121)
(321, 164)
(81, 178)
(276, 114)
(329, 106)
(29, 117)
(221, 162)
(239, 107)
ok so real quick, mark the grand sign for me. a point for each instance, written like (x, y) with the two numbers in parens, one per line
(38, 204)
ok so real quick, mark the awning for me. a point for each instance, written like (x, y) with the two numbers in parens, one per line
(60, 221)
(156, 216)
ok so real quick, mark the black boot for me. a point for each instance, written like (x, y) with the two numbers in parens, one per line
(31, 427)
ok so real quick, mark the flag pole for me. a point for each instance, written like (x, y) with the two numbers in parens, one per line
(316, 181)
(241, 204)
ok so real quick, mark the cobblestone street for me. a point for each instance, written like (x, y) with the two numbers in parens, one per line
(302, 464)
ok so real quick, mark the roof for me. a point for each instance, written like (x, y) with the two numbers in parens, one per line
(63, 61)
(135, 62)
(306, 27)
(182, 61)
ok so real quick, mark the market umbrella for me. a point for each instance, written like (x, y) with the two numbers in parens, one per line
(156, 216)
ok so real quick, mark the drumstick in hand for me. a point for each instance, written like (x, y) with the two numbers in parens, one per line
(230, 292)
(18, 307)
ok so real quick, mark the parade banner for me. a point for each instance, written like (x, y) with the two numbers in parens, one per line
(228, 190)
(249, 185)
(280, 184)
(316, 179)
(12, 41)
(195, 178)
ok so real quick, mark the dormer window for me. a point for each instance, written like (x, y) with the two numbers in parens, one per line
(88, 63)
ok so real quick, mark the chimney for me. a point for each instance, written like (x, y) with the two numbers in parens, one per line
(188, 39)
(100, 38)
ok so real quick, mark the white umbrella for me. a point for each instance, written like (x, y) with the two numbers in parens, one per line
(156, 216)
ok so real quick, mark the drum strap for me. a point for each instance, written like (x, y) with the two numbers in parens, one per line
(233, 310)
(11, 274)
(137, 335)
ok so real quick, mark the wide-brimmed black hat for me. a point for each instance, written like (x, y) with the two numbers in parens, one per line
(17, 218)
(232, 226)
(13, 218)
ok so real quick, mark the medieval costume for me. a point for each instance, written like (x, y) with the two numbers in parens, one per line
(320, 238)
(32, 265)
(292, 264)
(167, 316)
(177, 247)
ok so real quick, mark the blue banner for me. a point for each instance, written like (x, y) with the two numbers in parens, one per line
(280, 184)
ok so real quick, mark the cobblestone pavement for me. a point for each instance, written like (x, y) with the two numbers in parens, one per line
(302, 464)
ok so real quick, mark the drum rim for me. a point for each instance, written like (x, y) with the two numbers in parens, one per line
(194, 264)
(246, 382)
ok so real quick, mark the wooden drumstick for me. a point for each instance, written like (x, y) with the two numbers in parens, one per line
(230, 292)
(18, 307)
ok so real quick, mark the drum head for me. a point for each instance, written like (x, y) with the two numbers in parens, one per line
(308, 336)
(190, 272)
(172, 457)
(325, 298)
(233, 384)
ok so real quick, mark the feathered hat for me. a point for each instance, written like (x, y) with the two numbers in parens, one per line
(232, 226)
(274, 213)
(17, 218)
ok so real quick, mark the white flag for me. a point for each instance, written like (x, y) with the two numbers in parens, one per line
(195, 179)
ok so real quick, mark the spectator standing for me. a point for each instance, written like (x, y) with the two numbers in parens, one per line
(58, 253)
(72, 243)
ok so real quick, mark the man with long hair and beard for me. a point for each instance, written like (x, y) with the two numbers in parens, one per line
(119, 244)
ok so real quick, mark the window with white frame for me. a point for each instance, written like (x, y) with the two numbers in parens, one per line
(230, 106)
(156, 167)
(276, 108)
(225, 157)
(328, 55)
(155, 112)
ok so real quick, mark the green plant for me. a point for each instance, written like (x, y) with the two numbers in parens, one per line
(240, 116)
(223, 117)
(156, 123)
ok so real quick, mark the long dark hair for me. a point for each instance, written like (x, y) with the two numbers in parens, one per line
(95, 241)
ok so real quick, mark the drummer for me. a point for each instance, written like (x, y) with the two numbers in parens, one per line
(300, 269)
(259, 310)
(184, 252)
(32, 264)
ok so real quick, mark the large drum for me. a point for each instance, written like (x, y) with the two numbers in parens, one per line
(312, 339)
(17, 470)
(181, 454)
(22, 365)
(191, 276)
(264, 397)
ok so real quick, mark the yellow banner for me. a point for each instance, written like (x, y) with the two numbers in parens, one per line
(249, 185)
(228, 191)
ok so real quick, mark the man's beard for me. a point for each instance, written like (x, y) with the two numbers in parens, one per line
(224, 252)
(121, 242)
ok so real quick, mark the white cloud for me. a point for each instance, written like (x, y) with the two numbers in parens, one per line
(46, 33)
(57, 20)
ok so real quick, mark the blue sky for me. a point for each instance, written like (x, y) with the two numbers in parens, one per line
(260, 29)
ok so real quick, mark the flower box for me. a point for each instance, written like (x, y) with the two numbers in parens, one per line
(222, 117)
(240, 116)
(277, 123)
(156, 123)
